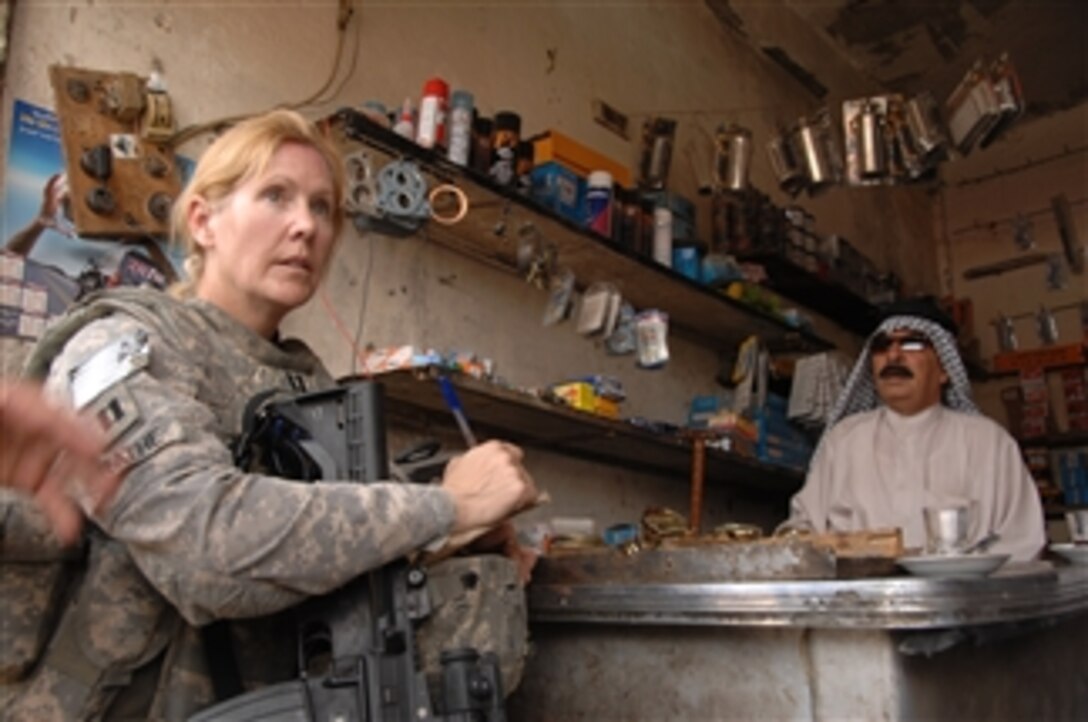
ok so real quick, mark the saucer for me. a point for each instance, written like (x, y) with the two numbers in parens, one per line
(1072, 553)
(959, 565)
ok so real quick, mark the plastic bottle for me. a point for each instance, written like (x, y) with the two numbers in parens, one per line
(431, 129)
(599, 202)
(406, 123)
(663, 236)
(460, 143)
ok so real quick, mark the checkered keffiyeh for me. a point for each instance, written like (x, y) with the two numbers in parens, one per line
(859, 393)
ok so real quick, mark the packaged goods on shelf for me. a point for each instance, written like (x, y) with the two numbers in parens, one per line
(683, 214)
(552, 145)
(560, 190)
(580, 395)
(608, 387)
(395, 358)
(780, 442)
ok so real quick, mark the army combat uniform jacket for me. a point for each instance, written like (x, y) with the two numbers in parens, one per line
(190, 538)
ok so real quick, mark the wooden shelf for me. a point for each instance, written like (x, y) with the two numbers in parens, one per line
(824, 296)
(414, 396)
(1056, 440)
(498, 217)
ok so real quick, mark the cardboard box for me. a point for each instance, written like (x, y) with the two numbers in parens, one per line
(560, 190)
(580, 395)
(553, 146)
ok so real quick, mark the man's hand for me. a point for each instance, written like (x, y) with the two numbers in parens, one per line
(48, 452)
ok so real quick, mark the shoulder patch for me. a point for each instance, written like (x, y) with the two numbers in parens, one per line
(115, 411)
(144, 445)
(109, 365)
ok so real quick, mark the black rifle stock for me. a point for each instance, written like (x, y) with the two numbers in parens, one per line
(357, 655)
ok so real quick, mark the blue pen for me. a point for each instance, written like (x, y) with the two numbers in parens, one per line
(450, 395)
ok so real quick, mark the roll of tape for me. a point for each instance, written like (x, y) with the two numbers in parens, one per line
(458, 194)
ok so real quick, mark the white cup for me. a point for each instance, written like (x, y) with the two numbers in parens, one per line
(947, 528)
(1077, 521)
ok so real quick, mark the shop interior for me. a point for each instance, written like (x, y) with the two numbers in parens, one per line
(646, 242)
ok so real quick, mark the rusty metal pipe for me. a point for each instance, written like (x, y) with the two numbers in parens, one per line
(698, 478)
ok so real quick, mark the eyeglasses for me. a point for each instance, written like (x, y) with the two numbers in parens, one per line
(882, 343)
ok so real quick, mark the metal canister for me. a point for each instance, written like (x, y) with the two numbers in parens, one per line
(784, 164)
(814, 155)
(732, 158)
(657, 139)
(872, 162)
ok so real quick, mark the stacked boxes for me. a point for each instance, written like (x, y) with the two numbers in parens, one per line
(561, 166)
(780, 442)
(553, 146)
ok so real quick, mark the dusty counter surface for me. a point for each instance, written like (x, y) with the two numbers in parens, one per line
(1010, 646)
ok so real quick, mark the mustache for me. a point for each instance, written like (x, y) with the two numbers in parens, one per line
(892, 370)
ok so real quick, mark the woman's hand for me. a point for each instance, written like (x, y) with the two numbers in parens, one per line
(489, 485)
(49, 453)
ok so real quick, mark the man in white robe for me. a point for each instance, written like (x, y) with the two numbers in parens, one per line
(905, 435)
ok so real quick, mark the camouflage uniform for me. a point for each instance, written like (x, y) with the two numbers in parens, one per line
(190, 538)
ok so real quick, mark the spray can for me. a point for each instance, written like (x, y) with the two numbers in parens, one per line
(431, 129)
(599, 202)
(460, 127)
(504, 147)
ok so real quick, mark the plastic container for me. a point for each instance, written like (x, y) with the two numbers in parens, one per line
(460, 145)
(599, 203)
(431, 128)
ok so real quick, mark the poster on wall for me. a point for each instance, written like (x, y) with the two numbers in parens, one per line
(44, 264)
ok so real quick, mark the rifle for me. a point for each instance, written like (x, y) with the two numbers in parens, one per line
(357, 657)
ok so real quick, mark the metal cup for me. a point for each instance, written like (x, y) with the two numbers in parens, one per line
(947, 529)
(1077, 521)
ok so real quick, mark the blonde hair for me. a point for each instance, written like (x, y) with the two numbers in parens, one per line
(240, 154)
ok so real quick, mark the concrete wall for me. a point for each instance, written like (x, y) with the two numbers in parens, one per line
(544, 60)
(976, 222)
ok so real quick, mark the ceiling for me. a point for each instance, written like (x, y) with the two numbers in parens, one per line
(909, 46)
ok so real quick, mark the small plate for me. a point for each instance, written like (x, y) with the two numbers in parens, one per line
(962, 565)
(1073, 553)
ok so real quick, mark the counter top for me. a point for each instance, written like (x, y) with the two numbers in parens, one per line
(1015, 592)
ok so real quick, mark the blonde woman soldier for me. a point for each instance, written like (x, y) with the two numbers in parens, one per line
(190, 538)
